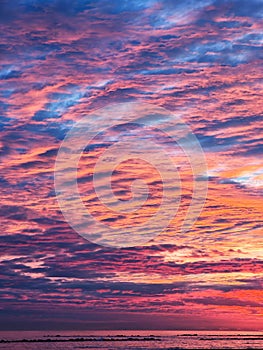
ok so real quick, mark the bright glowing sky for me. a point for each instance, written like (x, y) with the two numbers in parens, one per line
(63, 59)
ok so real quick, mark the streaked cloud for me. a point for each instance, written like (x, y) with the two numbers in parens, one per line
(61, 60)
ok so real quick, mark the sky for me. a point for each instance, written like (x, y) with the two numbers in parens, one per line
(63, 60)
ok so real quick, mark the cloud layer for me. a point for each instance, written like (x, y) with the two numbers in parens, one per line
(61, 60)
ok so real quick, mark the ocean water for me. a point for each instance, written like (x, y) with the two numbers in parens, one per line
(124, 340)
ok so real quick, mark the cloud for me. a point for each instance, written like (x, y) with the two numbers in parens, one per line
(63, 60)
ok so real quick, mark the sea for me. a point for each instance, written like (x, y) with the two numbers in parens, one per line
(125, 340)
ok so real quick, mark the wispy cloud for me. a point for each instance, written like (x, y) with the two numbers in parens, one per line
(61, 60)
